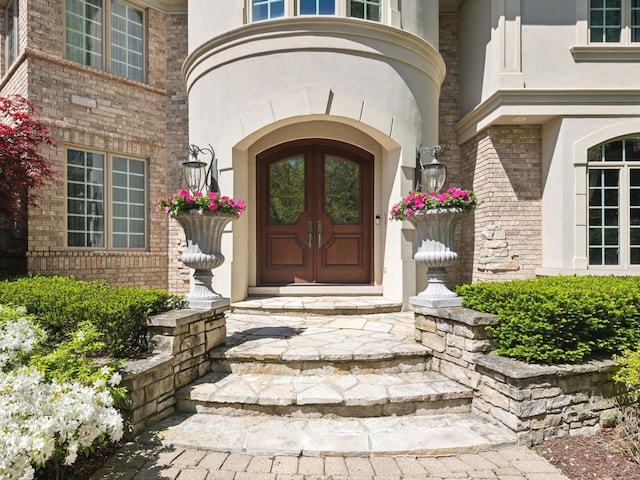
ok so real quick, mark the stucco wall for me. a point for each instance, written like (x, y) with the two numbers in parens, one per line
(564, 207)
(360, 79)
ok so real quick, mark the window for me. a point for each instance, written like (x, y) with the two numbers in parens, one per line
(317, 7)
(92, 23)
(614, 21)
(260, 10)
(106, 201)
(614, 202)
(266, 9)
(11, 39)
(366, 9)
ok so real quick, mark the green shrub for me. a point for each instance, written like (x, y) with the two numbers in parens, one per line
(629, 372)
(62, 304)
(560, 319)
(74, 360)
(628, 397)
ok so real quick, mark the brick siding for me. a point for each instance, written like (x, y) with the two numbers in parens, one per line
(91, 109)
(502, 239)
(504, 166)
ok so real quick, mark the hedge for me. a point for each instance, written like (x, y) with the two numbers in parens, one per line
(61, 304)
(560, 319)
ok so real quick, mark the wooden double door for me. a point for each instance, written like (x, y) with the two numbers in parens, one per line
(314, 214)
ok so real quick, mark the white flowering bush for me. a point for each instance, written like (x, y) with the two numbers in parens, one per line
(46, 423)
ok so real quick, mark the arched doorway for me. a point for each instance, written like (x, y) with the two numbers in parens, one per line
(314, 214)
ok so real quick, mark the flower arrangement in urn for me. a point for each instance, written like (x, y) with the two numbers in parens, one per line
(184, 202)
(203, 217)
(416, 202)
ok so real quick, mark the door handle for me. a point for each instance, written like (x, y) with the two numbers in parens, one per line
(319, 233)
(310, 233)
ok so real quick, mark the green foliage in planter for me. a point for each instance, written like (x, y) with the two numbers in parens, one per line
(560, 319)
(61, 304)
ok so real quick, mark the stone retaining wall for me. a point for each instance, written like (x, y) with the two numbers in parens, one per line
(536, 402)
(179, 342)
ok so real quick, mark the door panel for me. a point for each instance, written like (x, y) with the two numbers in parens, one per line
(314, 214)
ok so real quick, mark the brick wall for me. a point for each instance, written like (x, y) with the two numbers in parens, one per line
(177, 145)
(502, 239)
(449, 115)
(449, 112)
(95, 110)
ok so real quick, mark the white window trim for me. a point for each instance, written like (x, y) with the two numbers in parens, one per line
(107, 199)
(581, 186)
(584, 51)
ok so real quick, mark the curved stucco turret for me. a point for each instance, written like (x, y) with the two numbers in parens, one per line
(250, 82)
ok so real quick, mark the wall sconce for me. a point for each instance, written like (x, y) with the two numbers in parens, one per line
(197, 175)
(432, 174)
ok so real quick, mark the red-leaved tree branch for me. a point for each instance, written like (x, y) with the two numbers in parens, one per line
(22, 166)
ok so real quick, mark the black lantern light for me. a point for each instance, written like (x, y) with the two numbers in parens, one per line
(432, 174)
(198, 174)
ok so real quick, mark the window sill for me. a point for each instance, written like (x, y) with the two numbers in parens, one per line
(606, 53)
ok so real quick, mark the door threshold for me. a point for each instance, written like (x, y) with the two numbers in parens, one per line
(312, 290)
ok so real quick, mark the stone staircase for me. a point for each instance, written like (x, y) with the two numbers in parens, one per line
(325, 376)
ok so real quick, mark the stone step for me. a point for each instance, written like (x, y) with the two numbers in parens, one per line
(293, 345)
(323, 305)
(441, 434)
(355, 395)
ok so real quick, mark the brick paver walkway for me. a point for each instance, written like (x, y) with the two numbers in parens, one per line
(139, 462)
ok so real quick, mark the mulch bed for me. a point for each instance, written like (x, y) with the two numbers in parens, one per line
(591, 457)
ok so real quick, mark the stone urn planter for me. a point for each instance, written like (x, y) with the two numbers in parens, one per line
(435, 216)
(203, 217)
(203, 233)
(435, 251)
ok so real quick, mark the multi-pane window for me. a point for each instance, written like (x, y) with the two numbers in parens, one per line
(367, 9)
(127, 41)
(317, 7)
(11, 22)
(614, 203)
(266, 9)
(90, 24)
(614, 21)
(106, 201)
